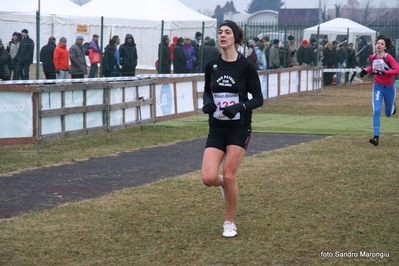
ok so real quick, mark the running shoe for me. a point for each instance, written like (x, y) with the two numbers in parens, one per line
(374, 141)
(229, 229)
(394, 109)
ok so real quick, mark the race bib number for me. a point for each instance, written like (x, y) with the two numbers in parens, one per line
(222, 100)
(379, 64)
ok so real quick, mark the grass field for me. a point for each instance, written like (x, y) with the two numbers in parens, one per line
(328, 202)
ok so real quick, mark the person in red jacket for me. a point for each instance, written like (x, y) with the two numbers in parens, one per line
(384, 67)
(61, 59)
(172, 48)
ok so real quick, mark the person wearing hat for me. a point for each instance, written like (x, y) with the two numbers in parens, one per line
(25, 55)
(78, 68)
(274, 55)
(313, 51)
(196, 43)
(179, 61)
(164, 56)
(206, 40)
(46, 57)
(12, 49)
(172, 48)
(232, 90)
(304, 55)
(61, 59)
(94, 48)
(128, 56)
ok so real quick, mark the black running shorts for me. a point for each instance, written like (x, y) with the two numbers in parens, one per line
(220, 137)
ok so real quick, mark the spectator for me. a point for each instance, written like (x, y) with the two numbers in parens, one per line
(260, 56)
(329, 61)
(190, 53)
(94, 47)
(251, 53)
(304, 55)
(274, 58)
(163, 50)
(117, 42)
(323, 42)
(313, 51)
(266, 41)
(196, 43)
(179, 62)
(128, 55)
(285, 55)
(210, 51)
(46, 57)
(12, 49)
(293, 51)
(6, 63)
(206, 40)
(341, 58)
(77, 57)
(25, 55)
(351, 64)
(172, 48)
(61, 59)
(363, 52)
(111, 67)
(392, 49)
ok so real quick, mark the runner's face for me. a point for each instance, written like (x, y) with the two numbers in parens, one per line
(225, 37)
(380, 46)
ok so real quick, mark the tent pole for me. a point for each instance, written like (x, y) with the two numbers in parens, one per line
(160, 50)
(101, 46)
(38, 42)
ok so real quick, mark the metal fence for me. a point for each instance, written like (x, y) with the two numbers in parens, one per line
(275, 30)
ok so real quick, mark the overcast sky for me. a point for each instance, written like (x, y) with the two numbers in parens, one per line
(242, 5)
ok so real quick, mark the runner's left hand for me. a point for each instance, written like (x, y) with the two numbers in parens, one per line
(232, 110)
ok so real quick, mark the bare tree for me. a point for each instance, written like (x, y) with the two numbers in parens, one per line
(205, 11)
(352, 10)
(337, 11)
(323, 11)
(366, 9)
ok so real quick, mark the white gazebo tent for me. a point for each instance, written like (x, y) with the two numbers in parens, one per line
(144, 20)
(338, 29)
(17, 15)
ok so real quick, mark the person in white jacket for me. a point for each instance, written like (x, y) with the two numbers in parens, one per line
(260, 54)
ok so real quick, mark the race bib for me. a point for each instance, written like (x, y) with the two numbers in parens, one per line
(379, 64)
(222, 100)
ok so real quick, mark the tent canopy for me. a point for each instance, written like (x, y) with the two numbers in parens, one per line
(146, 20)
(337, 29)
(46, 6)
(170, 10)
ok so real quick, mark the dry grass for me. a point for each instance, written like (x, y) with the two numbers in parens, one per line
(338, 194)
